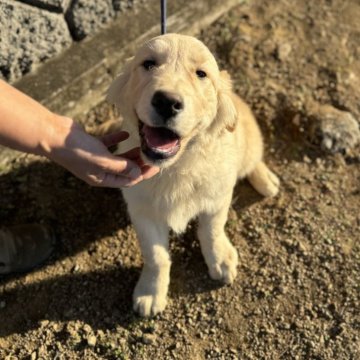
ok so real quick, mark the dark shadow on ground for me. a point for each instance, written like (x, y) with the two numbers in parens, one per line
(44, 193)
(101, 299)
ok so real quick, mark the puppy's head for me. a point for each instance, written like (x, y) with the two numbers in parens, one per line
(173, 91)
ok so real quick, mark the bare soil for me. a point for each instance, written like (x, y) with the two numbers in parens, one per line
(297, 292)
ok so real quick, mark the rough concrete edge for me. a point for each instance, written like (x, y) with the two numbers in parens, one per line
(77, 80)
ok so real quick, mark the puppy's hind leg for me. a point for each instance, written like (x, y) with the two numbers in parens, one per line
(264, 180)
(151, 290)
(220, 255)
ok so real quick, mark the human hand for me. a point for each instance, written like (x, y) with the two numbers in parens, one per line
(89, 159)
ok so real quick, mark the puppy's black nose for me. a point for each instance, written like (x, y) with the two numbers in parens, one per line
(167, 104)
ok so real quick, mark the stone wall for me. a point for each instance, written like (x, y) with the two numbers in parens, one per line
(33, 31)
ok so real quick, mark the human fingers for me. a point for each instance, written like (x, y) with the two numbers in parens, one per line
(133, 154)
(111, 180)
(149, 171)
(120, 166)
(114, 138)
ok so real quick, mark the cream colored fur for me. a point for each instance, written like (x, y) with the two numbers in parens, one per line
(221, 143)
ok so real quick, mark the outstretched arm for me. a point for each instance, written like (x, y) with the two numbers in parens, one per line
(26, 125)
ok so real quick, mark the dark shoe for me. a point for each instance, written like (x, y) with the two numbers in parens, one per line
(24, 247)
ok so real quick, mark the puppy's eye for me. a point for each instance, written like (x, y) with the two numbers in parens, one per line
(148, 64)
(201, 74)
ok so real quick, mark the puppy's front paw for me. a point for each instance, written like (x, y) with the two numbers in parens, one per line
(224, 268)
(149, 305)
(149, 297)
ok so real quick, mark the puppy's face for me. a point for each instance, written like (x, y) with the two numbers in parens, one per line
(173, 91)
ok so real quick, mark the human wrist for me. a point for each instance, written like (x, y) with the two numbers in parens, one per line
(54, 133)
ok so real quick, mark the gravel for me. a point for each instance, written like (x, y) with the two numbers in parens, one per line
(296, 295)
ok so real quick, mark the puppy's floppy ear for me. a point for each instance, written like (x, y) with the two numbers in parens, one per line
(226, 113)
(117, 90)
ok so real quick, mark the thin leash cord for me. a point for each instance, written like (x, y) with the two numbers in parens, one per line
(163, 16)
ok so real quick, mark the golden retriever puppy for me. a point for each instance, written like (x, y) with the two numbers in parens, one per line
(180, 109)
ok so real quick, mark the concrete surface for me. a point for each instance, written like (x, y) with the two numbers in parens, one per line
(33, 31)
(52, 5)
(85, 17)
(29, 36)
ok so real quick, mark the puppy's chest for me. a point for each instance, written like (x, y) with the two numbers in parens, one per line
(178, 198)
(178, 189)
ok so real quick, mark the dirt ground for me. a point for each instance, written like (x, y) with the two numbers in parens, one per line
(297, 293)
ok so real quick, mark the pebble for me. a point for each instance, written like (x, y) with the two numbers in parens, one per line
(149, 339)
(44, 323)
(33, 355)
(91, 340)
(283, 51)
(57, 327)
(2, 304)
(306, 160)
(100, 333)
(87, 328)
(75, 268)
(335, 130)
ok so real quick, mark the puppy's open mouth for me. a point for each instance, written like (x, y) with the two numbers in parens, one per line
(158, 143)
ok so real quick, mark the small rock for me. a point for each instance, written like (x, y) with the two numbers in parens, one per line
(91, 340)
(335, 130)
(75, 268)
(148, 339)
(57, 327)
(270, 330)
(283, 51)
(302, 247)
(306, 160)
(44, 323)
(2, 304)
(33, 355)
(87, 328)
(100, 333)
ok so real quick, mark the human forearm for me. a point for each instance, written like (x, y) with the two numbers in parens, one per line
(28, 126)
(25, 124)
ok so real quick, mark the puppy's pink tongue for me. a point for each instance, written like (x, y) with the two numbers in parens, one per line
(160, 138)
